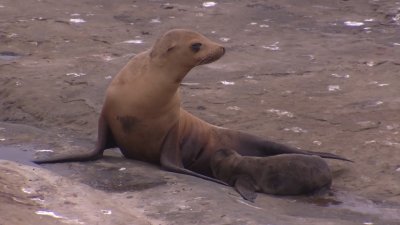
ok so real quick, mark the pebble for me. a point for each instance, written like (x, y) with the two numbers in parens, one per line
(296, 130)
(77, 20)
(224, 82)
(106, 212)
(333, 88)
(135, 41)
(353, 23)
(281, 112)
(209, 4)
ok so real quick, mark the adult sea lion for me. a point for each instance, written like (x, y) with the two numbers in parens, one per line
(286, 174)
(142, 114)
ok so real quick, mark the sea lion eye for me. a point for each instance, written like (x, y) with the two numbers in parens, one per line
(196, 47)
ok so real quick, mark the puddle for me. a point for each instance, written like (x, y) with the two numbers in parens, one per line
(16, 154)
(9, 56)
(358, 204)
(111, 174)
(349, 203)
(117, 180)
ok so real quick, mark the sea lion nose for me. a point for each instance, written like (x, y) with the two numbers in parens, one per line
(223, 50)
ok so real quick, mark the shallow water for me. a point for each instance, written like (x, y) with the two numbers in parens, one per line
(9, 56)
(17, 154)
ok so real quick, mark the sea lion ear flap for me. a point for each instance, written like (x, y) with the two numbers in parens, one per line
(161, 50)
(155, 49)
(246, 188)
(171, 47)
(162, 46)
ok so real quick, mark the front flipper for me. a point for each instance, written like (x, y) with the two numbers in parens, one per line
(171, 157)
(246, 188)
(104, 140)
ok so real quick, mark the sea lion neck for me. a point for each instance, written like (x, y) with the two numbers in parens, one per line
(168, 70)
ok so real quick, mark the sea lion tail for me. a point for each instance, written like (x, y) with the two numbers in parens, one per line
(328, 155)
(271, 148)
(268, 148)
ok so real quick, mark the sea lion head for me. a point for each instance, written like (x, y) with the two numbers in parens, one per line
(185, 49)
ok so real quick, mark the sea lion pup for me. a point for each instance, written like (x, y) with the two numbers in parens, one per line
(286, 174)
(142, 112)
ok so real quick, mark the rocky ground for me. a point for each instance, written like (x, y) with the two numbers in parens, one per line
(319, 75)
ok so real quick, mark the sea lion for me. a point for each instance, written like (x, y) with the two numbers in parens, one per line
(142, 115)
(286, 174)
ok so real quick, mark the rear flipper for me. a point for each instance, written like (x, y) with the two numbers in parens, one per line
(326, 155)
(250, 145)
(104, 140)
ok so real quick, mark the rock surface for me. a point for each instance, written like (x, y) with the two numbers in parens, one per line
(316, 75)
